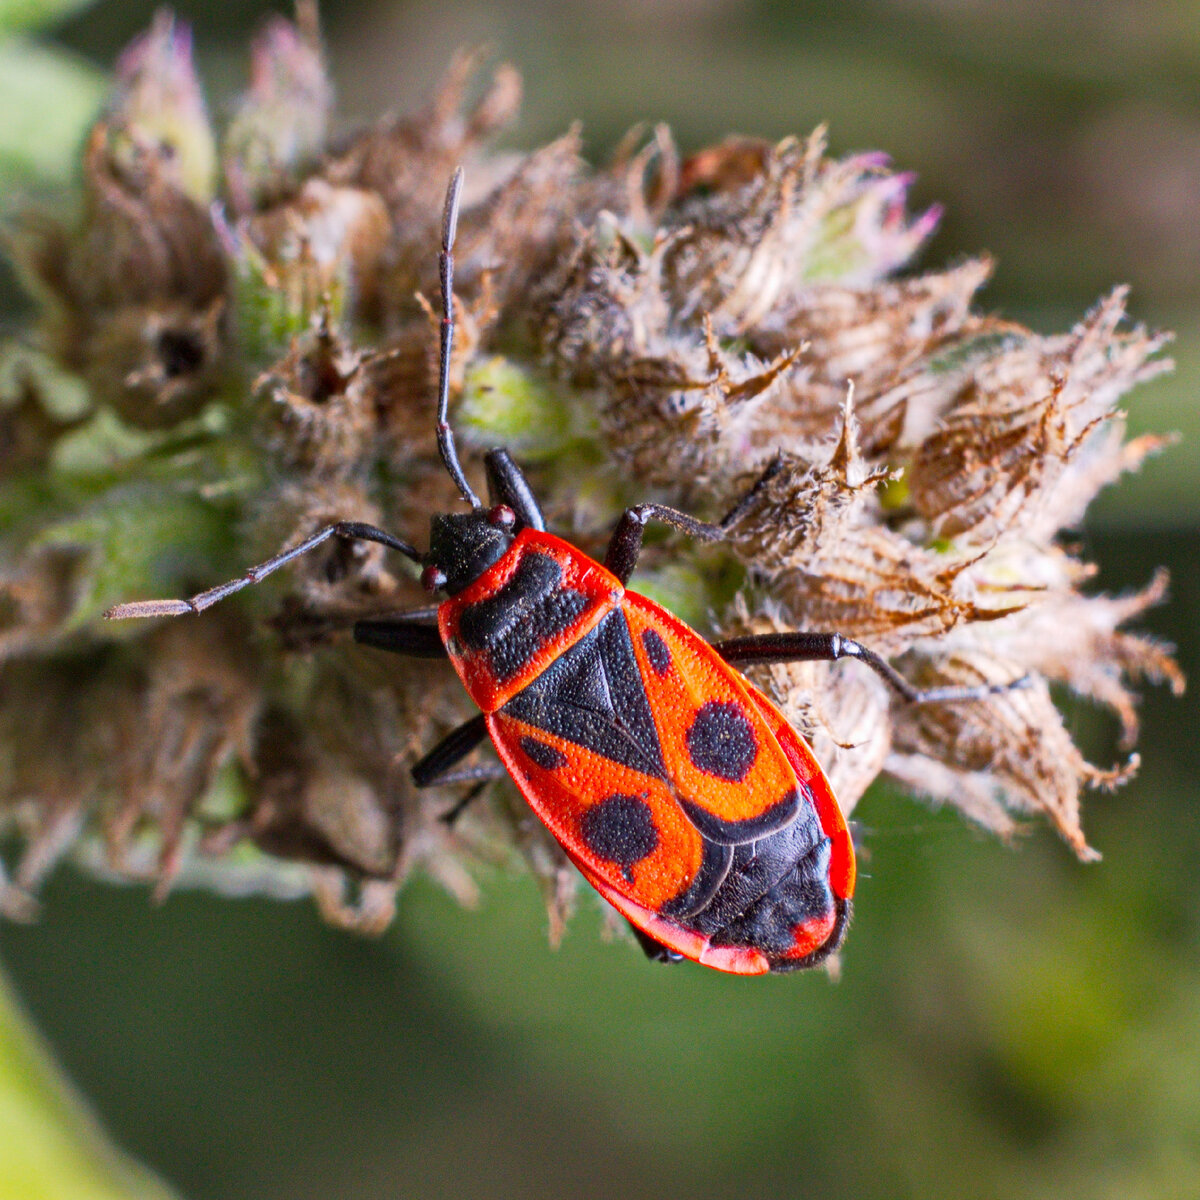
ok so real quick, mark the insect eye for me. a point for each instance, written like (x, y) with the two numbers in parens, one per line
(433, 578)
(502, 515)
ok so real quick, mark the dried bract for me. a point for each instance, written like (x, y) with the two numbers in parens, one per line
(158, 107)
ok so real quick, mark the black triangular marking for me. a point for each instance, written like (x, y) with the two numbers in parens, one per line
(588, 682)
(593, 696)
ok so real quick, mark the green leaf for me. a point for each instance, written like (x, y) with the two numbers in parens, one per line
(48, 100)
(51, 1148)
(22, 16)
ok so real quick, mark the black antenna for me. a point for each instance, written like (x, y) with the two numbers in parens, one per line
(445, 435)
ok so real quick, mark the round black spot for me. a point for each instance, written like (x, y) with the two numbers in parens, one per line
(721, 741)
(656, 652)
(546, 756)
(620, 829)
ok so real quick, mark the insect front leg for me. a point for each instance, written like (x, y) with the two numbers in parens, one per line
(830, 647)
(507, 485)
(351, 531)
(626, 543)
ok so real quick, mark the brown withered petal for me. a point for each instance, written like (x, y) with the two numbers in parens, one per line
(324, 239)
(1025, 441)
(45, 705)
(807, 507)
(974, 794)
(604, 307)
(401, 379)
(1077, 640)
(407, 161)
(887, 340)
(728, 166)
(608, 326)
(640, 181)
(137, 294)
(158, 106)
(816, 533)
(507, 238)
(880, 588)
(143, 239)
(750, 252)
(148, 738)
(513, 233)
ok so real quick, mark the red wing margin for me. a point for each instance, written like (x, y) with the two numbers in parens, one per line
(812, 779)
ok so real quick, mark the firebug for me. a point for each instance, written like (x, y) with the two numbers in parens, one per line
(676, 787)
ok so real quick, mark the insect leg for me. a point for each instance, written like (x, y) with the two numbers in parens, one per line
(435, 769)
(451, 815)
(653, 948)
(507, 485)
(626, 543)
(405, 634)
(352, 531)
(829, 647)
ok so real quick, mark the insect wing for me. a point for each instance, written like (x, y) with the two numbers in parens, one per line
(728, 769)
(622, 826)
(737, 960)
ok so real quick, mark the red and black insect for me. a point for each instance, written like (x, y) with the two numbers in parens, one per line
(671, 781)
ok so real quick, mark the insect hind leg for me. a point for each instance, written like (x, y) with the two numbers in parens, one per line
(801, 646)
(653, 948)
(436, 769)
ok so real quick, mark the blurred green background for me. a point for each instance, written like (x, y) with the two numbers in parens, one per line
(1008, 1023)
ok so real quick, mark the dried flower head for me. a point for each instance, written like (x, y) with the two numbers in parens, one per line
(134, 298)
(659, 328)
